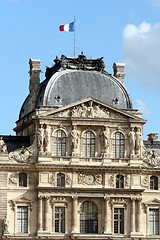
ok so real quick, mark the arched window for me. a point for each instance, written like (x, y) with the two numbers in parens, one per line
(154, 182)
(118, 145)
(88, 144)
(119, 181)
(60, 180)
(60, 143)
(22, 179)
(88, 218)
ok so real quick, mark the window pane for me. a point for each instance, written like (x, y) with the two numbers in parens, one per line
(118, 145)
(22, 219)
(60, 219)
(154, 221)
(59, 143)
(88, 144)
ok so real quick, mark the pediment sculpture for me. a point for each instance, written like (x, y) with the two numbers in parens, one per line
(24, 154)
(3, 147)
(152, 158)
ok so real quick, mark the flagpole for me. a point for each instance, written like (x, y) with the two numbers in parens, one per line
(74, 34)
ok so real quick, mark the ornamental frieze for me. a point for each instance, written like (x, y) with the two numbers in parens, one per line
(13, 178)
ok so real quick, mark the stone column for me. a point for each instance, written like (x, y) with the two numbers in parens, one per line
(46, 223)
(74, 214)
(132, 215)
(105, 215)
(40, 214)
(139, 215)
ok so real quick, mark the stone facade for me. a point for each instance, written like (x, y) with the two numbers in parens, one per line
(86, 174)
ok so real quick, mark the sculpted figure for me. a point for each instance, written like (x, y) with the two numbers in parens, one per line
(5, 225)
(104, 137)
(3, 147)
(46, 139)
(132, 142)
(74, 136)
(138, 141)
(40, 138)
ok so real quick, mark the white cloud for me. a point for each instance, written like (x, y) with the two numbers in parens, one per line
(142, 107)
(141, 51)
(155, 3)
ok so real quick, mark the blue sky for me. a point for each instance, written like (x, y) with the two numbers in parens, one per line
(120, 31)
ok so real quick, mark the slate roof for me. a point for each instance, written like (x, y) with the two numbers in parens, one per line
(74, 79)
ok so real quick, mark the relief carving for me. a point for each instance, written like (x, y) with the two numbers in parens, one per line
(81, 178)
(111, 180)
(90, 179)
(23, 155)
(145, 181)
(90, 110)
(68, 180)
(152, 158)
(98, 179)
(52, 179)
(13, 179)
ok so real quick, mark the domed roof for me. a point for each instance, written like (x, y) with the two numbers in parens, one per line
(65, 86)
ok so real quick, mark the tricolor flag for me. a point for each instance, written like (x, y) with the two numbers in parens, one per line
(67, 27)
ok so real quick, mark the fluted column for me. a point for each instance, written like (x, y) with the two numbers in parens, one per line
(40, 214)
(133, 215)
(74, 214)
(46, 223)
(139, 215)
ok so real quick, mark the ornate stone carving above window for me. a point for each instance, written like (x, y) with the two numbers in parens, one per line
(111, 180)
(145, 181)
(52, 179)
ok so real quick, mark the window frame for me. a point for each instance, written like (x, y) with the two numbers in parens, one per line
(119, 222)
(86, 221)
(118, 150)
(22, 220)
(59, 219)
(153, 229)
(23, 179)
(153, 182)
(119, 181)
(88, 144)
(60, 183)
(59, 143)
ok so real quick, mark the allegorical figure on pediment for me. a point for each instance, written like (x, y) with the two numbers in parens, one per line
(3, 147)
(74, 137)
(40, 136)
(104, 140)
(131, 135)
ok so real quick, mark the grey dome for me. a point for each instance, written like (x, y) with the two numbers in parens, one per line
(66, 86)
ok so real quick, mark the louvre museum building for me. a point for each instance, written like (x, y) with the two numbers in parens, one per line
(78, 167)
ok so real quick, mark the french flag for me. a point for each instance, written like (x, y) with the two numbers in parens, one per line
(67, 27)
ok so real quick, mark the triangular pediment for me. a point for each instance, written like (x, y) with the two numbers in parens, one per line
(153, 201)
(22, 199)
(90, 108)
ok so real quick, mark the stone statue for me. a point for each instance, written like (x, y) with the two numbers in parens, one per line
(104, 138)
(75, 137)
(132, 142)
(40, 135)
(46, 139)
(5, 225)
(3, 147)
(138, 140)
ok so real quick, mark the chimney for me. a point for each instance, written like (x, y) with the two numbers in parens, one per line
(118, 69)
(152, 136)
(34, 83)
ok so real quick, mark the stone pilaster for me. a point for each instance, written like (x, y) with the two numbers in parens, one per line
(132, 216)
(106, 228)
(46, 222)
(74, 214)
(40, 229)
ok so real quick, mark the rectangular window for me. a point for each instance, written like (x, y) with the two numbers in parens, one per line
(119, 220)
(22, 219)
(154, 221)
(22, 179)
(60, 219)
